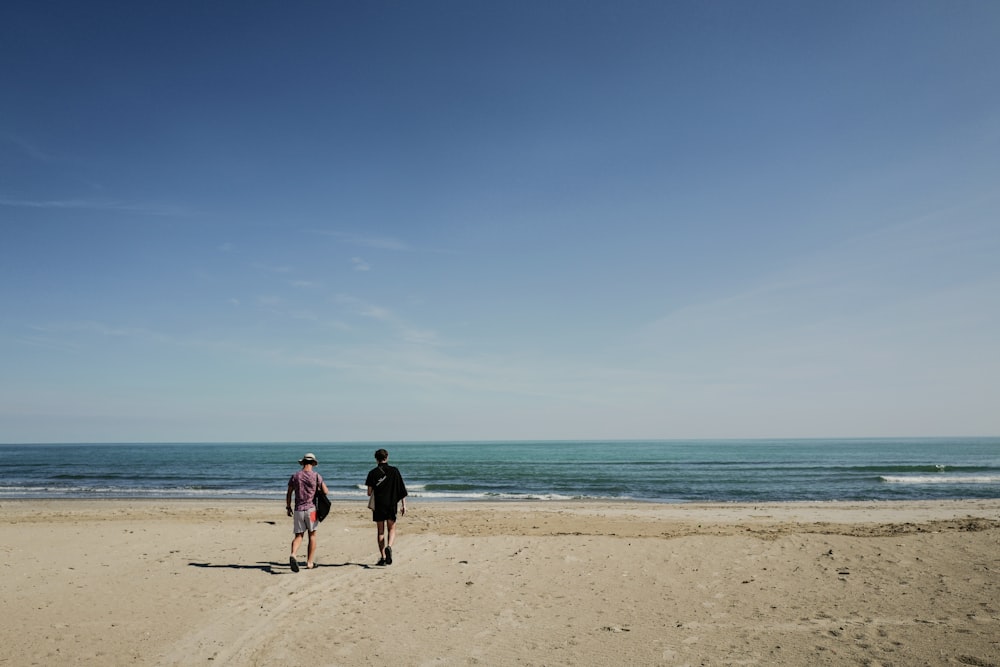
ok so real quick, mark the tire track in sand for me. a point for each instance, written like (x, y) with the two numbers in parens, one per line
(248, 624)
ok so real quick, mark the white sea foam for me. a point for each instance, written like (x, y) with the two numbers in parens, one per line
(471, 495)
(941, 479)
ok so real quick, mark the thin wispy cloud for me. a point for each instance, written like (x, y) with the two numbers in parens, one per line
(440, 371)
(270, 268)
(377, 312)
(99, 328)
(360, 264)
(377, 242)
(30, 149)
(95, 205)
(52, 332)
(863, 308)
(403, 330)
(47, 343)
(419, 336)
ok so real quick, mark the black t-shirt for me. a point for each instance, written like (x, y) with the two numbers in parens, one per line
(388, 485)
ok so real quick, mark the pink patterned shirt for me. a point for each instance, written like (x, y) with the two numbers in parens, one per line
(304, 483)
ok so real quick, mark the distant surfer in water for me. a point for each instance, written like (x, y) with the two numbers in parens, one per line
(386, 486)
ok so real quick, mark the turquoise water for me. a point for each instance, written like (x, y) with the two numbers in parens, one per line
(657, 471)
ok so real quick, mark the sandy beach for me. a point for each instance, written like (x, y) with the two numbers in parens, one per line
(571, 583)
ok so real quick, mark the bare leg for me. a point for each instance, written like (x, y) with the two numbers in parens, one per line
(388, 545)
(293, 560)
(312, 549)
(381, 538)
(392, 533)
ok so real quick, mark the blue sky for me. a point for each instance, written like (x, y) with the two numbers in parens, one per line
(326, 221)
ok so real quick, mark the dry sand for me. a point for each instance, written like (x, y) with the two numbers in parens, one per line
(576, 583)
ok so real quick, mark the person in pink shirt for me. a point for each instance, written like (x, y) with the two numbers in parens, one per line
(303, 486)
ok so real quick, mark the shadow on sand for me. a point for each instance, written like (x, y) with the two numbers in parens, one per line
(277, 568)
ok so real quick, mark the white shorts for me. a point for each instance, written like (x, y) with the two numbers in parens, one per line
(305, 520)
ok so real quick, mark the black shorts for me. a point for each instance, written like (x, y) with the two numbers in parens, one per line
(379, 514)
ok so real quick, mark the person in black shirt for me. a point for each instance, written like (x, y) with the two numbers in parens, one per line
(386, 485)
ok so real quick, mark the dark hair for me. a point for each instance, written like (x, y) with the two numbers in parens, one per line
(381, 455)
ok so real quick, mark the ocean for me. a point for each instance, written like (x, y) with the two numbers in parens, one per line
(668, 471)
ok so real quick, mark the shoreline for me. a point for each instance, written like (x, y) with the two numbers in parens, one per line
(506, 502)
(868, 511)
(187, 581)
